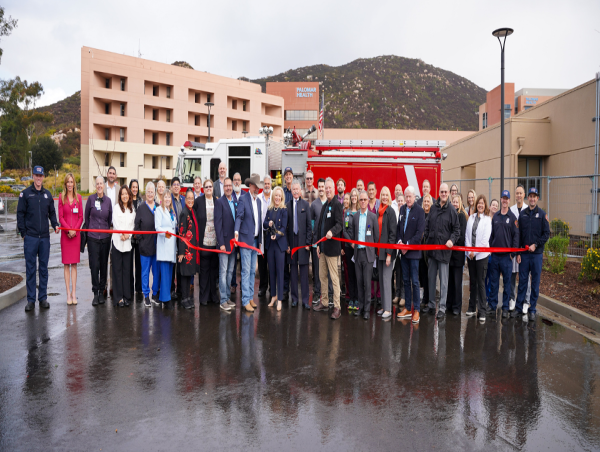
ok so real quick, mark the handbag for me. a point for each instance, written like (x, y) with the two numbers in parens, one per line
(375, 274)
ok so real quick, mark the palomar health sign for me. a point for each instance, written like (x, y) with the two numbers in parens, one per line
(305, 92)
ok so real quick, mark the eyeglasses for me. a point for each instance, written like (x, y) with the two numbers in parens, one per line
(363, 200)
(227, 186)
(208, 186)
(309, 178)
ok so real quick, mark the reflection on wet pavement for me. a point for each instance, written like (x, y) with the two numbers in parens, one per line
(126, 379)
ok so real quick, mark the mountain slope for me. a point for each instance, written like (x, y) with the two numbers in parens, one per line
(67, 112)
(391, 92)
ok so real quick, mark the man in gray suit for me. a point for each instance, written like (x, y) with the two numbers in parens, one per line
(364, 228)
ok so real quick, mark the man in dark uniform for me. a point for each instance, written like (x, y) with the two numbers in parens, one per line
(505, 234)
(534, 233)
(35, 208)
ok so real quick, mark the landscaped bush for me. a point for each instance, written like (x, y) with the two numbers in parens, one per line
(559, 227)
(555, 253)
(590, 266)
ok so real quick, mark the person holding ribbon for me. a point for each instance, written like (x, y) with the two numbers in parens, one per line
(387, 222)
(136, 265)
(208, 279)
(98, 215)
(348, 250)
(225, 208)
(276, 244)
(187, 256)
(70, 215)
(123, 219)
(479, 229)
(165, 220)
(144, 221)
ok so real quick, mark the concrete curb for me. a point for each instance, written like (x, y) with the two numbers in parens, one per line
(13, 295)
(569, 312)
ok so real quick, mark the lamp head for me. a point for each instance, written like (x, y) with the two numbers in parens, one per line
(502, 32)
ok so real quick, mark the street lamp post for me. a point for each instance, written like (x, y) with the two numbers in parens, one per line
(209, 104)
(502, 33)
(30, 163)
(266, 131)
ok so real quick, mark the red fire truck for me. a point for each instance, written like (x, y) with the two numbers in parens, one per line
(385, 162)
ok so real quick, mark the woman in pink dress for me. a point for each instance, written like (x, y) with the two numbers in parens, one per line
(70, 214)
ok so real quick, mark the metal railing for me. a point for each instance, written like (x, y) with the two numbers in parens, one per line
(568, 201)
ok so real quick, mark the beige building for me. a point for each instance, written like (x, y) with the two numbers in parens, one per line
(554, 138)
(136, 114)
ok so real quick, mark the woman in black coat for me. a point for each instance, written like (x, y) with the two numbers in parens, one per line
(457, 262)
(208, 277)
(188, 257)
(276, 245)
(136, 270)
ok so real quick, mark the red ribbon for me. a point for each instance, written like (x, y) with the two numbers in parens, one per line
(232, 243)
(468, 249)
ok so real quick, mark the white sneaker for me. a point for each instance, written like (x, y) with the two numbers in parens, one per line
(525, 308)
(470, 313)
(511, 305)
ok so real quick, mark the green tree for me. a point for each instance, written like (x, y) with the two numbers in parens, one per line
(46, 153)
(6, 26)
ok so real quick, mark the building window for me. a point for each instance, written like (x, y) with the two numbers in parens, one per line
(155, 138)
(233, 125)
(239, 160)
(107, 134)
(197, 98)
(122, 160)
(234, 104)
(154, 163)
(301, 115)
(244, 105)
(484, 121)
(244, 126)
(530, 173)
(208, 97)
(168, 92)
(168, 139)
(197, 139)
(122, 135)
(107, 83)
(168, 162)
(507, 111)
(155, 115)
(107, 109)
(122, 109)
(107, 159)
(122, 84)
(155, 90)
(168, 115)
(197, 120)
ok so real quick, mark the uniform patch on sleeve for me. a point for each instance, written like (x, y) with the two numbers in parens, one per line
(21, 195)
(547, 218)
(517, 224)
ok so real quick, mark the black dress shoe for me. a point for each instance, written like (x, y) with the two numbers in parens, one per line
(440, 315)
(456, 312)
(294, 304)
(139, 297)
(261, 293)
(29, 307)
(366, 316)
(95, 300)
(126, 302)
(515, 314)
(44, 304)
(505, 314)
(104, 293)
(531, 316)
(306, 306)
(121, 304)
(168, 305)
(101, 298)
(356, 312)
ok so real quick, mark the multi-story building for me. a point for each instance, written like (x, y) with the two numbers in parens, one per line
(136, 113)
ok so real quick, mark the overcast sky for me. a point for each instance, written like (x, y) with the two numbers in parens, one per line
(556, 44)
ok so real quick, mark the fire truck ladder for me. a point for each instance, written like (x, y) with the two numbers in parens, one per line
(379, 145)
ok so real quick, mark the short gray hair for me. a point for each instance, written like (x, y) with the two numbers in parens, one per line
(267, 177)
(99, 177)
(409, 189)
(329, 179)
(361, 192)
(296, 182)
(148, 186)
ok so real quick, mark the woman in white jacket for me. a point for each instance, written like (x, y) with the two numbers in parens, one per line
(479, 229)
(123, 219)
(165, 220)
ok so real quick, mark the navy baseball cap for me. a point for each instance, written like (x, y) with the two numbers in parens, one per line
(38, 170)
(533, 191)
(288, 169)
(505, 194)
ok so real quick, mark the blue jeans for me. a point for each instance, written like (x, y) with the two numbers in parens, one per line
(499, 264)
(410, 276)
(166, 270)
(33, 248)
(248, 258)
(226, 268)
(148, 263)
(530, 264)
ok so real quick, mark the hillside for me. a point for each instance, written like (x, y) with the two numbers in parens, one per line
(391, 92)
(67, 112)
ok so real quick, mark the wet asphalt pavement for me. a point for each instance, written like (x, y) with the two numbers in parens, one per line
(84, 378)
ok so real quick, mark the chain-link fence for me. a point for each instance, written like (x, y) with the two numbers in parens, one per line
(567, 200)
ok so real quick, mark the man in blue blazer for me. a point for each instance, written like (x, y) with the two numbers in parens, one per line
(299, 233)
(248, 229)
(225, 211)
(411, 226)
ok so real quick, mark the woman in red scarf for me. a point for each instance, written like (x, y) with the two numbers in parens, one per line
(188, 257)
(386, 257)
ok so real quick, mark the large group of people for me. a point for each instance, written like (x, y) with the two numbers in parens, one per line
(132, 237)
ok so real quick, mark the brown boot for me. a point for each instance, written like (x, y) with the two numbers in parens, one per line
(252, 303)
(249, 308)
(336, 314)
(321, 307)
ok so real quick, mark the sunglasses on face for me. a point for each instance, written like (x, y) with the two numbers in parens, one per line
(208, 186)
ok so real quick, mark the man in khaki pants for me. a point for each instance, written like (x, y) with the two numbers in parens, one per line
(329, 251)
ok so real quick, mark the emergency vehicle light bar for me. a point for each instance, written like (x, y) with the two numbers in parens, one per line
(193, 144)
(385, 145)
